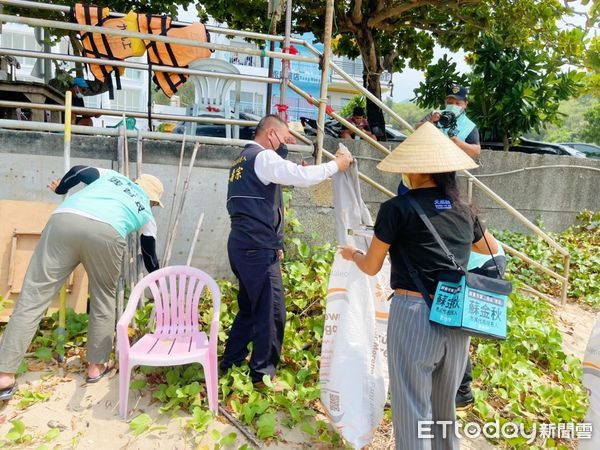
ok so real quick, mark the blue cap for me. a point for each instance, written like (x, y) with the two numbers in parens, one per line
(458, 92)
(79, 82)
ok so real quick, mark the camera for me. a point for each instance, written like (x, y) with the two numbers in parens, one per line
(447, 121)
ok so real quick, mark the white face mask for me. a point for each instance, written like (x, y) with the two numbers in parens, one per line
(79, 95)
(457, 110)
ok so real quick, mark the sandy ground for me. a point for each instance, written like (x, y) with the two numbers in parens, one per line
(575, 323)
(89, 417)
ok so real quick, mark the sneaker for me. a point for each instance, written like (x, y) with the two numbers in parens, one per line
(464, 399)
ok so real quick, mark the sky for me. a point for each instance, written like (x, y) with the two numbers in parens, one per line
(409, 79)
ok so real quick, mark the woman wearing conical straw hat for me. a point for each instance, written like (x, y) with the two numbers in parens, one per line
(426, 361)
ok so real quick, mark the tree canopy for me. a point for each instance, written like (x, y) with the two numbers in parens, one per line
(122, 6)
(394, 34)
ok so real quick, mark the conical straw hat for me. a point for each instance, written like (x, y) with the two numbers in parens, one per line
(427, 150)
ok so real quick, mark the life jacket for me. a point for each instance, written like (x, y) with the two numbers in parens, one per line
(98, 45)
(173, 55)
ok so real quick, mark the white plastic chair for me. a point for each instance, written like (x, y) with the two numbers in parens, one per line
(213, 93)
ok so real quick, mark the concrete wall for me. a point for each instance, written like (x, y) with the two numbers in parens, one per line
(553, 194)
(28, 161)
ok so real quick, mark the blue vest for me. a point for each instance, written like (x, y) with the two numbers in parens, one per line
(478, 260)
(256, 210)
(113, 199)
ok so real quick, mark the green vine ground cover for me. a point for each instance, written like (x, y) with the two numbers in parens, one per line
(583, 243)
(527, 379)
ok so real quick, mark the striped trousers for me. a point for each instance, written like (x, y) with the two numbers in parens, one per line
(426, 364)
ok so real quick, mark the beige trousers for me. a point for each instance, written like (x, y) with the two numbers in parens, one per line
(67, 240)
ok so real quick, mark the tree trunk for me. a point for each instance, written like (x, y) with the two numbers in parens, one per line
(371, 77)
(374, 112)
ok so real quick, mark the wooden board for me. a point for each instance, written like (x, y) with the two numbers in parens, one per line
(21, 224)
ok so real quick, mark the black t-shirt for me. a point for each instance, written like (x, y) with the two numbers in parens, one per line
(473, 137)
(399, 225)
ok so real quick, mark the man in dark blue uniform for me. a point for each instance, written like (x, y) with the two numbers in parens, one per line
(255, 245)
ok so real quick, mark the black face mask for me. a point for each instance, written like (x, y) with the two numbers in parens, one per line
(282, 150)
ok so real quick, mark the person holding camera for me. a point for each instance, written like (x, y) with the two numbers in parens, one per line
(453, 121)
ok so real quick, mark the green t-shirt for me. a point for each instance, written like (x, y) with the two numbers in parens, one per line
(113, 199)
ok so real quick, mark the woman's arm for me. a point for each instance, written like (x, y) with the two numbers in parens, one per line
(481, 247)
(371, 262)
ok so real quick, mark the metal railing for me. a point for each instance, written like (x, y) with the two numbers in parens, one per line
(133, 65)
(321, 103)
(563, 279)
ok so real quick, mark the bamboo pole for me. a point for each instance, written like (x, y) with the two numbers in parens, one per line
(516, 213)
(322, 104)
(121, 282)
(134, 65)
(120, 149)
(138, 115)
(309, 98)
(139, 259)
(34, 22)
(195, 238)
(532, 262)
(62, 299)
(125, 148)
(301, 137)
(565, 289)
(210, 28)
(175, 191)
(366, 179)
(138, 154)
(362, 89)
(271, 63)
(186, 186)
(470, 190)
(96, 131)
(285, 65)
(131, 249)
(549, 299)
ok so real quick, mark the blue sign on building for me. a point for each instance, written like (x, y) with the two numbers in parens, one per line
(306, 76)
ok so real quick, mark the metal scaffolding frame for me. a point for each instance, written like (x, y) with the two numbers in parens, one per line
(34, 22)
(116, 132)
(134, 65)
(321, 103)
(211, 29)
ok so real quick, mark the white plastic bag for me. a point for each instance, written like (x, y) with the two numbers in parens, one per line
(354, 371)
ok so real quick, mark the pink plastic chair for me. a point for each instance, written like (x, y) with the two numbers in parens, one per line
(177, 339)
